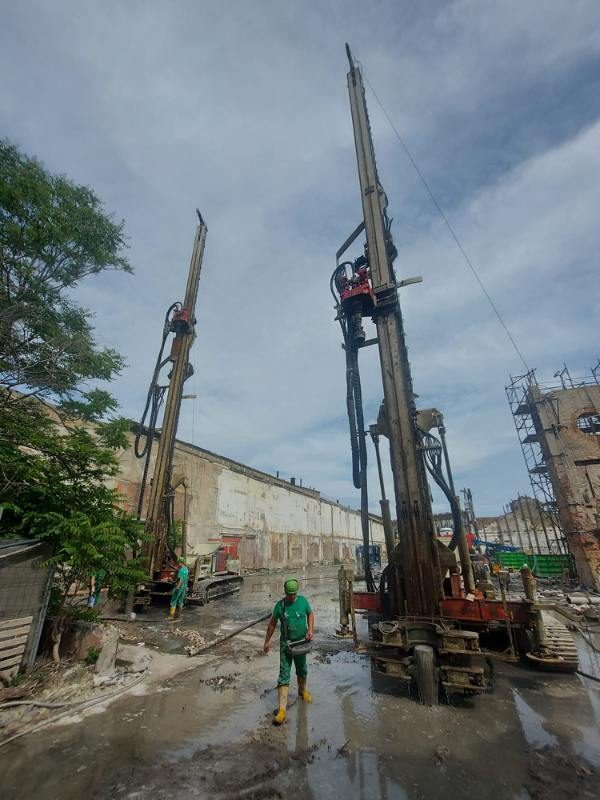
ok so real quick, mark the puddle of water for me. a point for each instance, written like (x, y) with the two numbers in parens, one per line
(589, 661)
(532, 724)
(394, 744)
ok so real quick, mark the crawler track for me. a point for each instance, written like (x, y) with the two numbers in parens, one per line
(209, 589)
(560, 654)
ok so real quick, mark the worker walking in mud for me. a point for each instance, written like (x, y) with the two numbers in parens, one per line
(179, 592)
(297, 622)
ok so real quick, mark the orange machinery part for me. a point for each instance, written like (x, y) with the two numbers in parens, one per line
(460, 609)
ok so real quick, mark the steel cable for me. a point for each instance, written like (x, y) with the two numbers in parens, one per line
(449, 226)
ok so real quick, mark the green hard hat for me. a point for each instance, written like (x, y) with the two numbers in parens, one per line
(291, 586)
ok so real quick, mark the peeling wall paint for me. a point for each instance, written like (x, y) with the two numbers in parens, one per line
(275, 524)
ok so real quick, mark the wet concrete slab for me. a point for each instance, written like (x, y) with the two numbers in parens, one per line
(207, 733)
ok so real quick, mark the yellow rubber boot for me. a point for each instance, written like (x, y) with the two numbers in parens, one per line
(302, 693)
(171, 617)
(282, 692)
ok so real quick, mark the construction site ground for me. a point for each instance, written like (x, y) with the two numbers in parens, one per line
(206, 732)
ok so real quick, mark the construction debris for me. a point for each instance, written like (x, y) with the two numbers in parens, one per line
(194, 639)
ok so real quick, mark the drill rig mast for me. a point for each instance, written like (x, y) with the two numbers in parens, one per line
(206, 582)
(180, 321)
(419, 579)
(410, 641)
(428, 621)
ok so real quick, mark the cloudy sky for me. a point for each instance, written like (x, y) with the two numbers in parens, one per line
(241, 109)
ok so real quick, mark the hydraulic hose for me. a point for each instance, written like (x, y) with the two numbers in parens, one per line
(364, 495)
(351, 365)
(356, 422)
(432, 456)
(154, 399)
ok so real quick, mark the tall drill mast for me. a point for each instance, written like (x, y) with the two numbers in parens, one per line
(431, 643)
(182, 324)
(413, 508)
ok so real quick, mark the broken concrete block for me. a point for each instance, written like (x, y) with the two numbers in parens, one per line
(133, 658)
(80, 639)
(577, 599)
(105, 664)
(594, 599)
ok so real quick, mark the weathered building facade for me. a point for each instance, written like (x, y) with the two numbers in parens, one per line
(522, 524)
(272, 522)
(525, 525)
(567, 427)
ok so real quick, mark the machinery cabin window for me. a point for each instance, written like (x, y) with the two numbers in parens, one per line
(589, 423)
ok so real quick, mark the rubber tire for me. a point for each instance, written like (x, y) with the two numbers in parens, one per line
(426, 675)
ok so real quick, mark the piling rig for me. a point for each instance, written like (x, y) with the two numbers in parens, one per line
(424, 619)
(159, 557)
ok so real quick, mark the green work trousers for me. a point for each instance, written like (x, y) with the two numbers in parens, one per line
(178, 597)
(285, 667)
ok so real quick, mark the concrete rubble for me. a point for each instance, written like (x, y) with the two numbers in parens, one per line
(133, 659)
(573, 604)
(85, 640)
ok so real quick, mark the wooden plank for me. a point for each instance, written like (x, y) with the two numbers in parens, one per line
(11, 662)
(8, 643)
(15, 651)
(13, 623)
(22, 631)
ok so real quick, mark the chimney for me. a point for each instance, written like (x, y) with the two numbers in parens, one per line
(293, 481)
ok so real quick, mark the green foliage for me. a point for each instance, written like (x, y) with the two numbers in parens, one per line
(53, 234)
(175, 535)
(58, 447)
(51, 466)
(93, 654)
(53, 486)
(82, 547)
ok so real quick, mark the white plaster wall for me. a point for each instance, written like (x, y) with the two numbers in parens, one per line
(246, 503)
(279, 524)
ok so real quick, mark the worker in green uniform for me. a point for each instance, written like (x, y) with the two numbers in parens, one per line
(297, 623)
(179, 591)
(96, 581)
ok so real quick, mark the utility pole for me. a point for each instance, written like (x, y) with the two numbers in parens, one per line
(421, 583)
(183, 325)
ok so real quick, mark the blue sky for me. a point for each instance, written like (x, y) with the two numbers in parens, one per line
(241, 109)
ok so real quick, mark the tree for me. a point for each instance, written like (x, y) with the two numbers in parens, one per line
(53, 234)
(58, 433)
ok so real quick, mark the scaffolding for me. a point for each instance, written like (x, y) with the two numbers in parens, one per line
(518, 394)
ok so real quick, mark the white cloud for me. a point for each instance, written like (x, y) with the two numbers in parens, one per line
(242, 111)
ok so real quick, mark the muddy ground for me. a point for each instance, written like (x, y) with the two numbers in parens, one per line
(207, 733)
